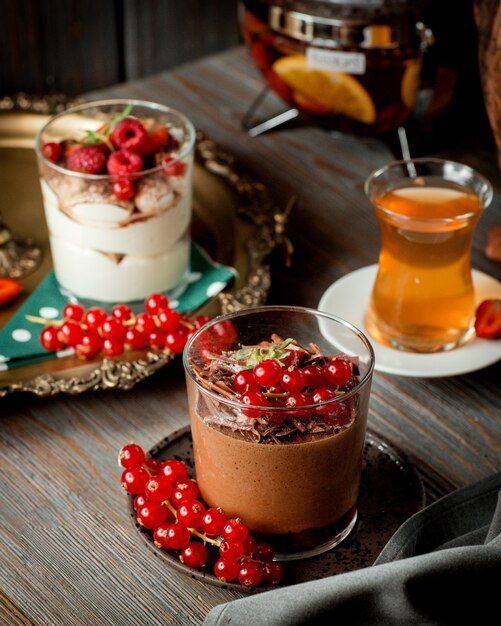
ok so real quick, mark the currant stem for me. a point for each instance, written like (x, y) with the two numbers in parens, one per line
(193, 531)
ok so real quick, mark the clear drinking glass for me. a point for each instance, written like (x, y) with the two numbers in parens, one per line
(292, 475)
(423, 295)
(118, 237)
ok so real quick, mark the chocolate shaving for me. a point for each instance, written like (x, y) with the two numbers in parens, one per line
(217, 375)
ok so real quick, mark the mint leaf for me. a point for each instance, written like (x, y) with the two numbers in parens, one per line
(255, 355)
(118, 118)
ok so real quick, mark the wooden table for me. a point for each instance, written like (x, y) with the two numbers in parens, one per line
(69, 555)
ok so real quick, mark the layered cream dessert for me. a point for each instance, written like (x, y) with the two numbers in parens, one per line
(119, 224)
(290, 468)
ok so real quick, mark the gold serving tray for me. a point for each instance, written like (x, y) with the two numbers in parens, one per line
(234, 220)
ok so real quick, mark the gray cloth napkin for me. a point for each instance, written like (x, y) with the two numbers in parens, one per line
(442, 566)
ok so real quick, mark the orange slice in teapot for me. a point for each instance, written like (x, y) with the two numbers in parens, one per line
(335, 91)
(410, 83)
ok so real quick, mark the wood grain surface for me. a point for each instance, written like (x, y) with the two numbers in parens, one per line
(69, 554)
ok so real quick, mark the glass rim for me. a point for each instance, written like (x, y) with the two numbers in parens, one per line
(187, 148)
(484, 200)
(282, 308)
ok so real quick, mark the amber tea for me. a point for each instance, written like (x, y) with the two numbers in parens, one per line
(423, 297)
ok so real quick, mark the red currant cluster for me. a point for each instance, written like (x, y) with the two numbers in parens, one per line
(274, 384)
(121, 148)
(167, 503)
(94, 331)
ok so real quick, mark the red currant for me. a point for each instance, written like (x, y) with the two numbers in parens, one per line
(194, 554)
(156, 339)
(139, 501)
(151, 515)
(73, 312)
(172, 167)
(232, 549)
(273, 573)
(320, 396)
(314, 376)
(249, 546)
(94, 317)
(70, 333)
(158, 488)
(337, 372)
(152, 465)
(52, 151)
(253, 398)
(267, 373)
(264, 552)
(112, 328)
(338, 414)
(176, 340)
(200, 320)
(113, 346)
(160, 536)
(121, 312)
(49, 338)
(190, 513)
(224, 332)
(250, 574)
(134, 479)
(90, 344)
(297, 399)
(187, 490)
(293, 379)
(235, 530)
(245, 381)
(131, 455)
(134, 339)
(123, 188)
(213, 522)
(168, 319)
(174, 469)
(156, 303)
(145, 323)
(178, 536)
(226, 569)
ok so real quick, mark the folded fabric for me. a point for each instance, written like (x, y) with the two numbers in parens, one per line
(19, 339)
(442, 566)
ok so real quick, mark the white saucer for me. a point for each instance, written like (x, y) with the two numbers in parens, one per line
(348, 297)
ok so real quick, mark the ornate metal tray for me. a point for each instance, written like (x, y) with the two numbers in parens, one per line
(235, 221)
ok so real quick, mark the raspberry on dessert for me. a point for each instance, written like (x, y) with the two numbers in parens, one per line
(86, 159)
(123, 162)
(129, 134)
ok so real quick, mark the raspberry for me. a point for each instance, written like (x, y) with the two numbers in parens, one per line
(129, 134)
(86, 159)
(124, 162)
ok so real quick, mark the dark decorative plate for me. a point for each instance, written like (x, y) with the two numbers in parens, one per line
(391, 491)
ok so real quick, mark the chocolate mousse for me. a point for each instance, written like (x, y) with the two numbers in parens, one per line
(291, 468)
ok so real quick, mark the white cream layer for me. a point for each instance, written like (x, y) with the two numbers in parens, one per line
(99, 226)
(93, 275)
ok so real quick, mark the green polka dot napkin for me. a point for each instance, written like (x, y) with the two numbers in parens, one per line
(19, 339)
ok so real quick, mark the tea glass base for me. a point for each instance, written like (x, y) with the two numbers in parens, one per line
(342, 529)
(415, 342)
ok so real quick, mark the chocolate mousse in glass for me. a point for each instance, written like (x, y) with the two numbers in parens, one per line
(278, 399)
(116, 178)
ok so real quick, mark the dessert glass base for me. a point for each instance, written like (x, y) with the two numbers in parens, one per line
(295, 546)
(135, 305)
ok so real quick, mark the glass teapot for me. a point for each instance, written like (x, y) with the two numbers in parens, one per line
(352, 65)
